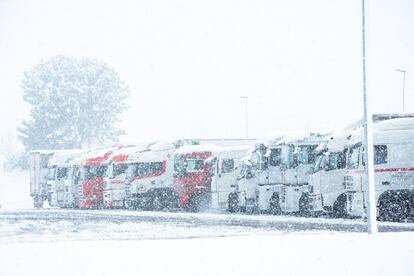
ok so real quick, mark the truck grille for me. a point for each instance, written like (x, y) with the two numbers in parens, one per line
(349, 182)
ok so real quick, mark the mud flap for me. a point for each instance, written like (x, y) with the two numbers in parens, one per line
(315, 202)
(355, 204)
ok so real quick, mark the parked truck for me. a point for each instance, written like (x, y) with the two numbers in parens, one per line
(59, 173)
(274, 177)
(150, 178)
(394, 171)
(327, 178)
(115, 192)
(39, 174)
(89, 178)
(204, 174)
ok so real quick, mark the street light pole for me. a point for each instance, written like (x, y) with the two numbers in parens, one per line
(368, 143)
(403, 71)
(247, 118)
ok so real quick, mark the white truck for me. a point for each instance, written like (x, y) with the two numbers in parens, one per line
(114, 191)
(225, 162)
(394, 171)
(327, 193)
(150, 178)
(274, 177)
(60, 169)
(39, 172)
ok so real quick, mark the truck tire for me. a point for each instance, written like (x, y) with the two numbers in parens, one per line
(339, 207)
(157, 203)
(198, 202)
(304, 206)
(274, 206)
(233, 203)
(393, 209)
(38, 202)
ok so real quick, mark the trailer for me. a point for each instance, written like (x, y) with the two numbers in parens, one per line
(274, 177)
(39, 174)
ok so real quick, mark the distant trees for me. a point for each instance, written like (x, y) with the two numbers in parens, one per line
(75, 103)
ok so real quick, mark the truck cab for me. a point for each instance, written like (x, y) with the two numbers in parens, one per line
(274, 177)
(90, 177)
(393, 166)
(192, 176)
(150, 179)
(60, 170)
(116, 177)
(224, 163)
(205, 175)
(327, 178)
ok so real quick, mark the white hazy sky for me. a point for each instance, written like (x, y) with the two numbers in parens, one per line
(188, 62)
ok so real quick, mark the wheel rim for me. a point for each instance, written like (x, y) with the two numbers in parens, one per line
(395, 210)
(156, 203)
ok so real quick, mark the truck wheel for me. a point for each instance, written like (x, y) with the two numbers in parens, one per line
(393, 209)
(198, 202)
(274, 207)
(339, 207)
(304, 207)
(38, 202)
(156, 203)
(233, 203)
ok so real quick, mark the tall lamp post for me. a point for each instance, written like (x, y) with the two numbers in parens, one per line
(368, 142)
(403, 71)
(247, 118)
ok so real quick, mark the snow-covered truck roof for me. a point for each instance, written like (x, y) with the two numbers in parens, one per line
(123, 154)
(63, 158)
(298, 138)
(195, 148)
(390, 131)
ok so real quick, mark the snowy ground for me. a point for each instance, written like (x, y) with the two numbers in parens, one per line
(75, 242)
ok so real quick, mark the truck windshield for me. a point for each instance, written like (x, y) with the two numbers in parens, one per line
(195, 165)
(179, 165)
(62, 173)
(275, 158)
(92, 172)
(318, 163)
(354, 157)
(51, 173)
(118, 169)
(146, 169)
(306, 155)
(336, 161)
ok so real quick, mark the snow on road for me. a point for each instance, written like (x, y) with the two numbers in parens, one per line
(15, 191)
(293, 254)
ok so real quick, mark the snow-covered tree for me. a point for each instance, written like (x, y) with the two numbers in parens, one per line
(75, 103)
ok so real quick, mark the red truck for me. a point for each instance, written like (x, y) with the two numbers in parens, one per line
(192, 176)
(91, 178)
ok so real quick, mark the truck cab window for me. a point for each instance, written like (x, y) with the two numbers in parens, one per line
(380, 154)
(62, 173)
(195, 165)
(118, 169)
(354, 153)
(275, 158)
(227, 165)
